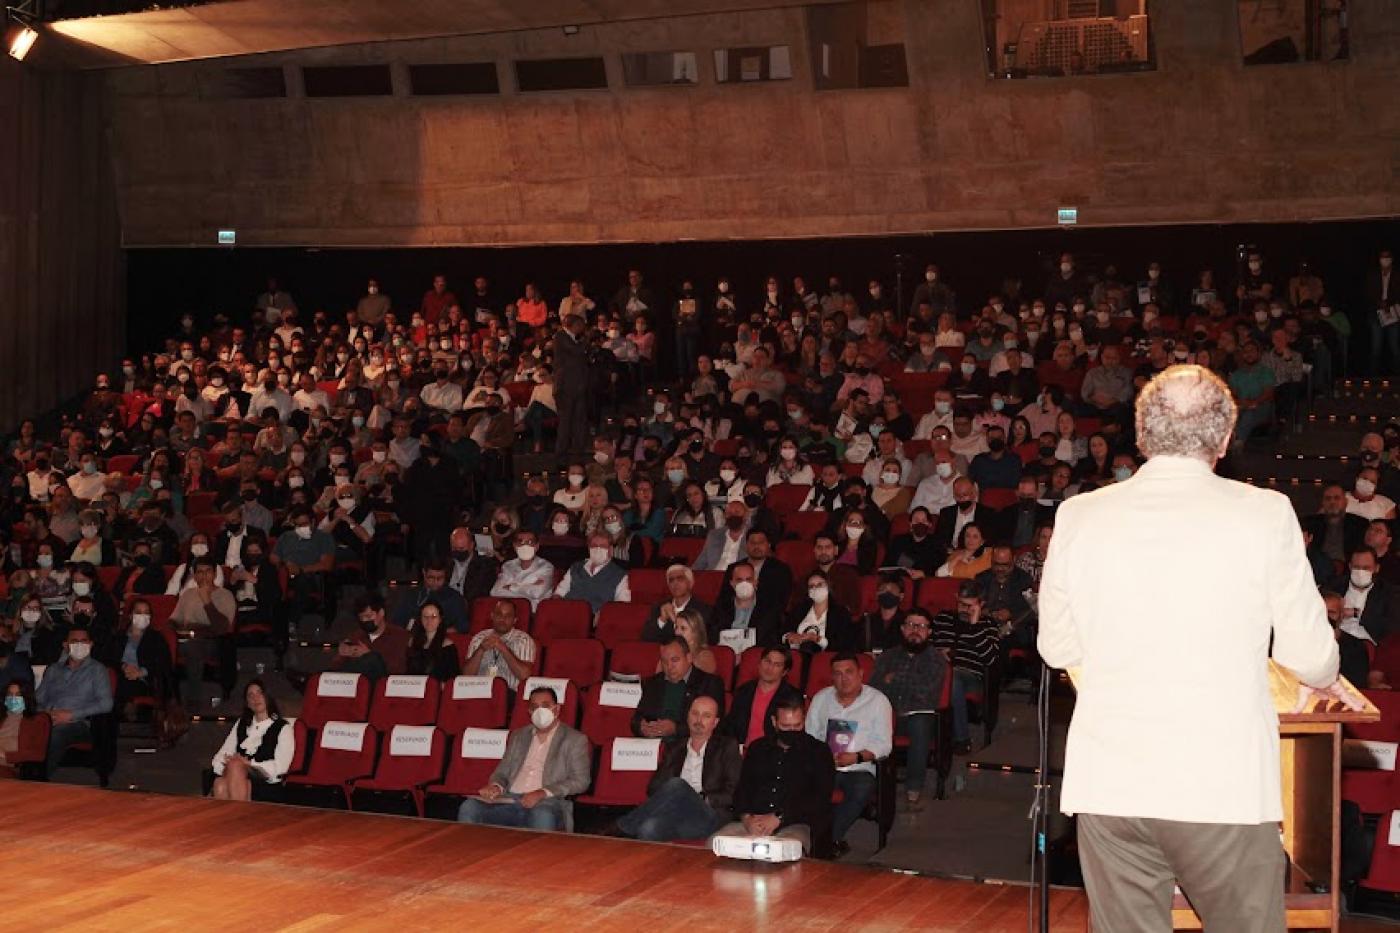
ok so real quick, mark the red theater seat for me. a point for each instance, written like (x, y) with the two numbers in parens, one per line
(613, 788)
(322, 704)
(619, 622)
(333, 769)
(579, 660)
(562, 618)
(457, 713)
(402, 772)
(404, 700)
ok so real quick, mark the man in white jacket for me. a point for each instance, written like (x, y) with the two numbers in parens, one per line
(1164, 590)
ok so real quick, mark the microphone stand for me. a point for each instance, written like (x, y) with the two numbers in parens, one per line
(1040, 804)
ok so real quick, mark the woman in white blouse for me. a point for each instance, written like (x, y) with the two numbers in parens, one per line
(258, 749)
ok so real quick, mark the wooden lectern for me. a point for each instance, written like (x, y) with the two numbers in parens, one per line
(1310, 753)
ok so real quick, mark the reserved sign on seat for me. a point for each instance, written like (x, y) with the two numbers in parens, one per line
(411, 741)
(344, 736)
(623, 695)
(471, 687)
(410, 686)
(636, 754)
(489, 744)
(337, 685)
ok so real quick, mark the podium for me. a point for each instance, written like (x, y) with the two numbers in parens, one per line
(1310, 755)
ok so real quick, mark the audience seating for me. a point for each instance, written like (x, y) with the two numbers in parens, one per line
(580, 660)
(457, 713)
(561, 618)
(404, 700)
(994, 498)
(1374, 790)
(412, 759)
(684, 550)
(724, 665)
(648, 585)
(819, 670)
(786, 498)
(938, 594)
(1384, 873)
(635, 657)
(327, 780)
(467, 771)
(619, 622)
(324, 700)
(28, 758)
(615, 788)
(606, 713)
(798, 556)
(708, 584)
(804, 526)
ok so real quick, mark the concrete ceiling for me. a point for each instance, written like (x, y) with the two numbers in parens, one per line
(249, 27)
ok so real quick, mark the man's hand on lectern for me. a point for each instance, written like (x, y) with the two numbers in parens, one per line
(1337, 692)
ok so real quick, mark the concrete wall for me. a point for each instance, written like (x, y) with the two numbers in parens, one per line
(62, 288)
(1200, 140)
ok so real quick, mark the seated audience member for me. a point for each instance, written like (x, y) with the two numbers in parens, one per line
(502, 650)
(526, 575)
(308, 555)
(666, 695)
(856, 721)
(376, 648)
(1003, 589)
(545, 764)
(143, 576)
(431, 649)
(997, 467)
(785, 784)
(691, 794)
(1380, 538)
(1369, 604)
(74, 690)
(258, 750)
(257, 590)
(183, 576)
(690, 626)
(880, 628)
(204, 616)
(843, 579)
(970, 643)
(818, 623)
(772, 577)
(19, 705)
(739, 608)
(434, 587)
(723, 546)
(1355, 663)
(469, 573)
(142, 660)
(911, 675)
(1336, 531)
(917, 551)
(1363, 500)
(969, 558)
(750, 717)
(597, 579)
(661, 623)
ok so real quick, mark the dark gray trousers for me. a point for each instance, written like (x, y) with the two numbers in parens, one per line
(1232, 874)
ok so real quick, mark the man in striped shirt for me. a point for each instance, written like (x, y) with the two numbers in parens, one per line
(970, 643)
(502, 650)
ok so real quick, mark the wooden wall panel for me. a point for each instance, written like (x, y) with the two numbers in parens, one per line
(62, 286)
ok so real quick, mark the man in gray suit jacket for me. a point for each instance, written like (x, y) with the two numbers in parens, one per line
(545, 764)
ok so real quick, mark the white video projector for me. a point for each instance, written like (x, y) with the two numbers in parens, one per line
(757, 848)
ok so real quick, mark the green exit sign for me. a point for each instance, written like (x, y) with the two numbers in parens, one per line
(1068, 216)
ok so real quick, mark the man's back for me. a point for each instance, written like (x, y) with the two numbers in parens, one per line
(1164, 589)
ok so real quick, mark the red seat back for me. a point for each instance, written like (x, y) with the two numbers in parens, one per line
(998, 498)
(457, 713)
(33, 739)
(804, 526)
(404, 700)
(604, 721)
(200, 503)
(400, 770)
(483, 605)
(336, 766)
(1384, 874)
(619, 622)
(579, 660)
(465, 775)
(798, 555)
(724, 665)
(938, 594)
(1388, 729)
(123, 463)
(708, 583)
(562, 618)
(323, 704)
(107, 577)
(648, 585)
(786, 498)
(301, 746)
(685, 549)
(635, 657)
(568, 712)
(618, 788)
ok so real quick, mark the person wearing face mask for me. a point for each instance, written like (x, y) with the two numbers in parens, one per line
(1066, 283)
(790, 467)
(597, 579)
(470, 573)
(727, 544)
(1365, 501)
(75, 690)
(308, 555)
(350, 523)
(997, 467)
(1383, 301)
(545, 763)
(373, 305)
(38, 638)
(965, 511)
(183, 578)
(740, 609)
(16, 715)
(91, 547)
(142, 659)
(1369, 604)
(376, 648)
(817, 622)
(526, 575)
(917, 551)
(934, 292)
(143, 577)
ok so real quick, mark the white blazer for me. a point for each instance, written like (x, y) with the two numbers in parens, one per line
(1164, 589)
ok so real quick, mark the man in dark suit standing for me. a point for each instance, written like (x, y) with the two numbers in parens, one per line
(966, 511)
(571, 378)
(664, 709)
(691, 793)
(1382, 308)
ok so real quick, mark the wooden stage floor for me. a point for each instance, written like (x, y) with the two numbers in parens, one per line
(82, 859)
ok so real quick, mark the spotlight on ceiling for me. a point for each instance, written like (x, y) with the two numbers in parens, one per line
(22, 42)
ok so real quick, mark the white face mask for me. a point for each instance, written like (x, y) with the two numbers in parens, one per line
(81, 588)
(1364, 487)
(542, 717)
(889, 478)
(599, 556)
(944, 470)
(89, 531)
(1255, 267)
(199, 550)
(1385, 262)
(1065, 267)
(853, 532)
(727, 476)
(744, 589)
(930, 276)
(140, 622)
(79, 650)
(943, 407)
(379, 456)
(817, 594)
(612, 528)
(575, 480)
(560, 529)
(304, 532)
(298, 457)
(30, 617)
(527, 551)
(296, 482)
(789, 453)
(1361, 579)
(600, 456)
(347, 504)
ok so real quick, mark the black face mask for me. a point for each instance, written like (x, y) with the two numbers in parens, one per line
(501, 527)
(252, 560)
(233, 528)
(368, 626)
(996, 445)
(1046, 452)
(919, 530)
(854, 499)
(734, 523)
(888, 600)
(249, 495)
(460, 556)
(787, 737)
(697, 447)
(753, 500)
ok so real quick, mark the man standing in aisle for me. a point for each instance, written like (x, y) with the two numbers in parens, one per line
(1173, 756)
(571, 386)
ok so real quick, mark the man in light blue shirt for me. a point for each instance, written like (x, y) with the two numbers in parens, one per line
(73, 690)
(857, 722)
